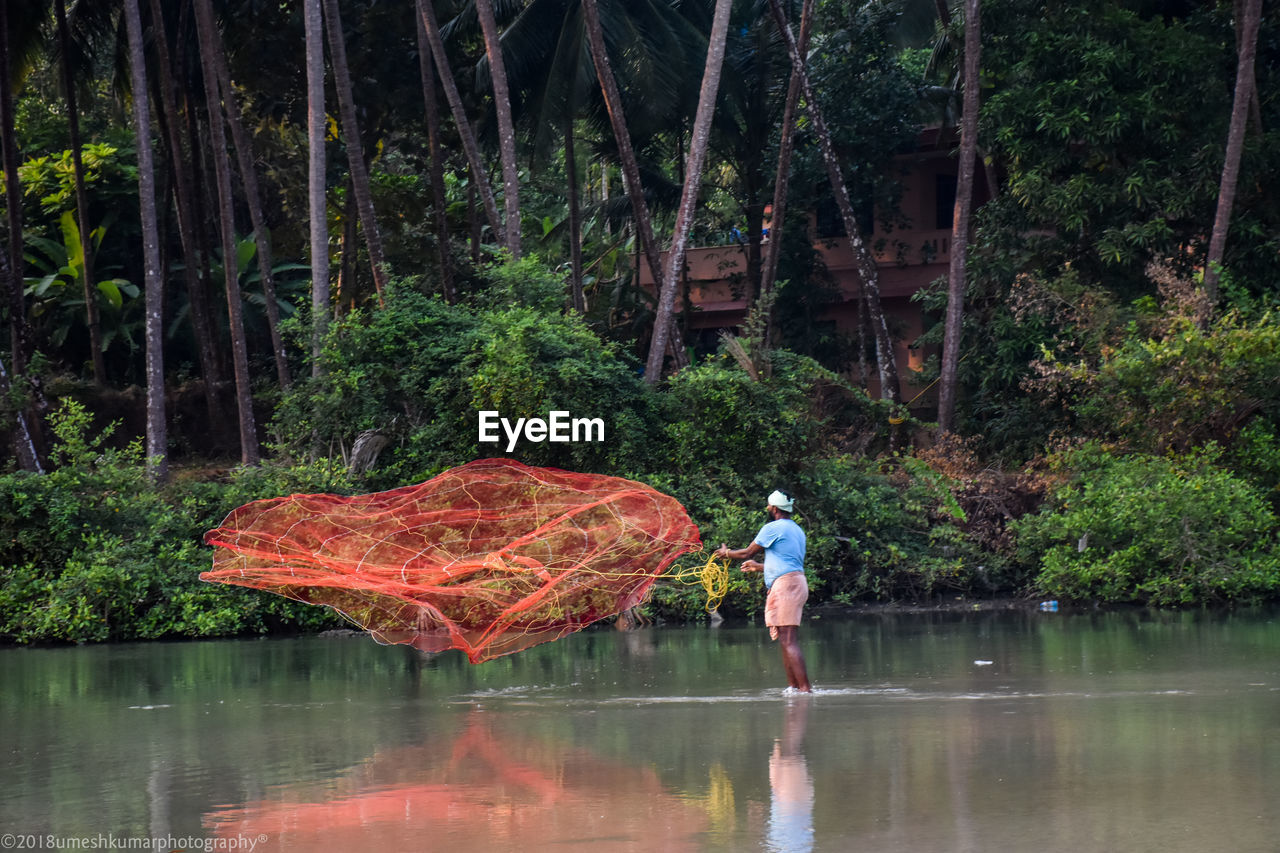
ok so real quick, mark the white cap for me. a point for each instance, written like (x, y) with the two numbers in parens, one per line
(781, 501)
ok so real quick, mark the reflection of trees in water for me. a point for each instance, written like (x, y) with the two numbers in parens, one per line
(481, 788)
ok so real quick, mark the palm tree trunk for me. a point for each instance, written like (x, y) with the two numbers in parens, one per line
(157, 431)
(436, 170)
(576, 295)
(188, 223)
(960, 219)
(473, 221)
(506, 128)
(988, 167)
(253, 196)
(698, 141)
(201, 219)
(345, 292)
(626, 157)
(19, 332)
(355, 150)
(478, 176)
(863, 262)
(1255, 103)
(1235, 146)
(92, 315)
(782, 182)
(249, 453)
(318, 214)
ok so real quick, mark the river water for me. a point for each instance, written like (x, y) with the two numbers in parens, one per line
(927, 732)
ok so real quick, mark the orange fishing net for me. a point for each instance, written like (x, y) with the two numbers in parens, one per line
(491, 557)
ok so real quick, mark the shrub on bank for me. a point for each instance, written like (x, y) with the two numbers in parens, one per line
(93, 551)
(1166, 530)
(418, 371)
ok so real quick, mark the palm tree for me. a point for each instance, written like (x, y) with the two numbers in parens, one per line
(355, 151)
(699, 138)
(253, 196)
(506, 129)
(1235, 144)
(555, 93)
(434, 152)
(186, 198)
(947, 94)
(157, 431)
(19, 332)
(960, 219)
(576, 295)
(626, 158)
(92, 318)
(320, 295)
(781, 184)
(864, 263)
(478, 176)
(249, 453)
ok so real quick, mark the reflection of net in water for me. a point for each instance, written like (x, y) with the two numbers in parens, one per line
(491, 557)
(484, 786)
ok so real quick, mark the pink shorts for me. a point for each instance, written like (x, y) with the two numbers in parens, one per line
(785, 602)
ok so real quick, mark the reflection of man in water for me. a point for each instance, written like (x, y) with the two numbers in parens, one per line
(783, 543)
(791, 786)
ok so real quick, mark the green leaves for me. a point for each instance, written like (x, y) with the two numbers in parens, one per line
(1165, 530)
(1093, 122)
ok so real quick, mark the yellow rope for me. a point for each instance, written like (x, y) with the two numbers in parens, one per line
(712, 576)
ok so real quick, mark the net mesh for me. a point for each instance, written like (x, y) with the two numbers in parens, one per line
(490, 558)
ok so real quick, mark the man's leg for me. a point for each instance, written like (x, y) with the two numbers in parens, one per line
(793, 658)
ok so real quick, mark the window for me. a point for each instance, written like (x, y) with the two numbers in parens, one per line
(945, 197)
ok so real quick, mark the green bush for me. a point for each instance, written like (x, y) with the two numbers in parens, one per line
(886, 529)
(1184, 386)
(93, 551)
(419, 371)
(1163, 530)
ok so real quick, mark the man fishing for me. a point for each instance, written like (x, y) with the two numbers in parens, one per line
(782, 543)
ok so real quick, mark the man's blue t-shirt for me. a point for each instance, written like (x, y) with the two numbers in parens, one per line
(783, 542)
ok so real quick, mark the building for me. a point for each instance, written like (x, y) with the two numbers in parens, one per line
(908, 258)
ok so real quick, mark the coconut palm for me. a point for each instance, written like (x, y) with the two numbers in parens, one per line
(355, 150)
(626, 157)
(479, 179)
(253, 197)
(435, 153)
(960, 220)
(249, 452)
(189, 230)
(319, 223)
(699, 139)
(1246, 50)
(781, 184)
(92, 319)
(506, 128)
(157, 430)
(866, 266)
(13, 42)
(553, 83)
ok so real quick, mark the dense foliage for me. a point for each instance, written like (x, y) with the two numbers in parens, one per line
(1174, 530)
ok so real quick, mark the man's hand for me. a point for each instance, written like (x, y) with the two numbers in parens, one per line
(723, 550)
(752, 566)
